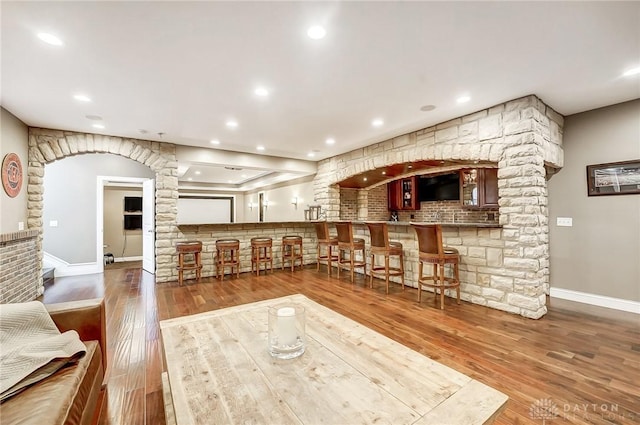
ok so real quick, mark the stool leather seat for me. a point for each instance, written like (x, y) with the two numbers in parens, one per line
(326, 241)
(431, 251)
(183, 249)
(261, 253)
(227, 255)
(347, 243)
(292, 250)
(381, 245)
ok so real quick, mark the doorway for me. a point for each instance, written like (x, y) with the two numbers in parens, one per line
(133, 235)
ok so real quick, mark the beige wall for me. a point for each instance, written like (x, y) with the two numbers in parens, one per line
(72, 202)
(600, 254)
(13, 139)
(121, 243)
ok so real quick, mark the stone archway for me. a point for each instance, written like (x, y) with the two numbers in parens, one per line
(46, 145)
(521, 137)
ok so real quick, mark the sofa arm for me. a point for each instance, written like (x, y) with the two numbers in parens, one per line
(87, 317)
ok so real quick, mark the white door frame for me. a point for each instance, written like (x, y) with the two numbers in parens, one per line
(149, 226)
(103, 181)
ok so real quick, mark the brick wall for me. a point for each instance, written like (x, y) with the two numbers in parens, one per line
(20, 270)
(449, 212)
(377, 209)
(377, 204)
(348, 204)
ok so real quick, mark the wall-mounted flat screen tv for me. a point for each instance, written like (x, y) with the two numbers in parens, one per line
(132, 203)
(132, 222)
(445, 187)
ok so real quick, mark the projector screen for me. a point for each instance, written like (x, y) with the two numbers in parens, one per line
(198, 210)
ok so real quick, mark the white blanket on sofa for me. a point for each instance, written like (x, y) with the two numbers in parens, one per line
(31, 347)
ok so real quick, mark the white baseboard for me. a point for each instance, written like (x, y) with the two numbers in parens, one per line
(599, 300)
(123, 259)
(62, 268)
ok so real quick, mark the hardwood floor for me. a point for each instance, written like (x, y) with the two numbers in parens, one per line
(575, 365)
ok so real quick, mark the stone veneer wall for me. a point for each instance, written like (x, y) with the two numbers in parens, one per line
(47, 145)
(208, 233)
(20, 267)
(481, 253)
(523, 136)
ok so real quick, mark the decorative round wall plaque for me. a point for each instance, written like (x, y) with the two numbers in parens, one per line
(11, 174)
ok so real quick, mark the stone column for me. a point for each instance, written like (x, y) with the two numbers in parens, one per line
(363, 204)
(522, 188)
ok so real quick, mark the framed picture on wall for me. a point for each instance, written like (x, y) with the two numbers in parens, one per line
(613, 178)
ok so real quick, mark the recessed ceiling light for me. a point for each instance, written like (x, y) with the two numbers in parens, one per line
(244, 176)
(197, 173)
(82, 98)
(229, 181)
(261, 91)
(232, 124)
(377, 122)
(190, 179)
(98, 126)
(427, 108)
(50, 39)
(365, 179)
(330, 141)
(463, 99)
(215, 142)
(316, 32)
(632, 71)
(311, 154)
(260, 148)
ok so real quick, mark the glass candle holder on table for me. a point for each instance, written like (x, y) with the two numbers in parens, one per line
(286, 331)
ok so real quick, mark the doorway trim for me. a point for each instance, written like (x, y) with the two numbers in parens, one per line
(101, 182)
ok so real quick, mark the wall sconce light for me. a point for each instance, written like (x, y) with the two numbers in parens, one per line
(294, 201)
(265, 203)
(251, 205)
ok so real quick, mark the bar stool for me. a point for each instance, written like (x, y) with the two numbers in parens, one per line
(431, 251)
(327, 241)
(227, 255)
(261, 253)
(346, 242)
(381, 245)
(193, 248)
(291, 250)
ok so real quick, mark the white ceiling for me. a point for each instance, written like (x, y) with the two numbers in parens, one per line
(179, 70)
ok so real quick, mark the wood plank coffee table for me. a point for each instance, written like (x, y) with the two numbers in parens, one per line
(220, 372)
